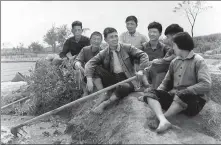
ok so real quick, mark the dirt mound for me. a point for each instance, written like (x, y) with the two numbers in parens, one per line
(215, 94)
(128, 120)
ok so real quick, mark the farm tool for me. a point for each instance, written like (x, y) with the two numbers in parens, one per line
(25, 98)
(15, 129)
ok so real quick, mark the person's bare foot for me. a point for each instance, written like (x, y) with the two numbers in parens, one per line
(98, 110)
(140, 98)
(163, 126)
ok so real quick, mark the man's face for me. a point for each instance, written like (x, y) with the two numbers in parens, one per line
(77, 31)
(177, 51)
(168, 40)
(154, 34)
(96, 40)
(131, 26)
(112, 39)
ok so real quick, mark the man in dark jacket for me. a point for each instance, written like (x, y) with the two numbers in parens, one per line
(116, 65)
(75, 43)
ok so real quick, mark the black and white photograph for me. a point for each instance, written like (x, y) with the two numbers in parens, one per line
(111, 72)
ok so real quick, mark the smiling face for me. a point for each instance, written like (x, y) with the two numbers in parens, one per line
(112, 39)
(96, 40)
(154, 34)
(131, 26)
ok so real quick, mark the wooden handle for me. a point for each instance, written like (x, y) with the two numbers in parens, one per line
(25, 98)
(81, 100)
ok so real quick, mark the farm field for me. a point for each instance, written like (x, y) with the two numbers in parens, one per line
(8, 70)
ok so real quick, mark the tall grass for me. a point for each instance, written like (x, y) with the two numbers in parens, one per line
(52, 86)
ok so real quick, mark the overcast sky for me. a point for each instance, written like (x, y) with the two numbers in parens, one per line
(28, 21)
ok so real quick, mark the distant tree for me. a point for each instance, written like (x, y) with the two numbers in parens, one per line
(35, 47)
(51, 37)
(62, 34)
(20, 49)
(191, 9)
(85, 30)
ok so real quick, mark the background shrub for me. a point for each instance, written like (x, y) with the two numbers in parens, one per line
(52, 86)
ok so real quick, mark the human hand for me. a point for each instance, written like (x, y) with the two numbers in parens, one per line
(90, 84)
(139, 75)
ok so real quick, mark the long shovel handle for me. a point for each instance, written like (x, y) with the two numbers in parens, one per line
(88, 97)
(25, 98)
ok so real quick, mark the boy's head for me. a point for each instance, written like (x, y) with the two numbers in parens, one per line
(77, 28)
(111, 36)
(96, 39)
(170, 31)
(182, 41)
(131, 23)
(154, 31)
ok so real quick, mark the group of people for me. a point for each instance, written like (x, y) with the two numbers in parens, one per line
(174, 78)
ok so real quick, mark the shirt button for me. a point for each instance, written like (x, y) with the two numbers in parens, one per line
(179, 75)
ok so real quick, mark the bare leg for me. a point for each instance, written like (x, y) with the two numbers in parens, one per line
(99, 109)
(156, 107)
(103, 96)
(174, 109)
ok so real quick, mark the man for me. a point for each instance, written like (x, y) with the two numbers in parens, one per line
(155, 50)
(75, 43)
(184, 87)
(160, 66)
(86, 54)
(116, 66)
(132, 36)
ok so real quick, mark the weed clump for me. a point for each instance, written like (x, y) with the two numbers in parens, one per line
(52, 86)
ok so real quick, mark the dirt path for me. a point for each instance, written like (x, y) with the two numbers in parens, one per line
(50, 131)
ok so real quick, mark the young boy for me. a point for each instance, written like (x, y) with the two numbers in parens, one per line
(184, 86)
(132, 36)
(116, 65)
(155, 50)
(160, 66)
(76, 43)
(86, 54)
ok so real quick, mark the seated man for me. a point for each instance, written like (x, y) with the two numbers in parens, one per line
(184, 87)
(116, 66)
(86, 54)
(75, 43)
(160, 66)
(154, 48)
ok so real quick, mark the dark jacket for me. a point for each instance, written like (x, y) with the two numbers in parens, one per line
(127, 53)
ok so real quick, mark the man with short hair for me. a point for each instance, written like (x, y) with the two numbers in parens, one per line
(86, 54)
(161, 60)
(76, 43)
(184, 87)
(116, 65)
(155, 50)
(132, 36)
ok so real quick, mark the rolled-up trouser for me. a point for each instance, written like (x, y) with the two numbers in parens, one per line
(195, 103)
(109, 79)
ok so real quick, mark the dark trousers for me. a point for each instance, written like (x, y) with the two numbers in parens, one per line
(109, 79)
(195, 102)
